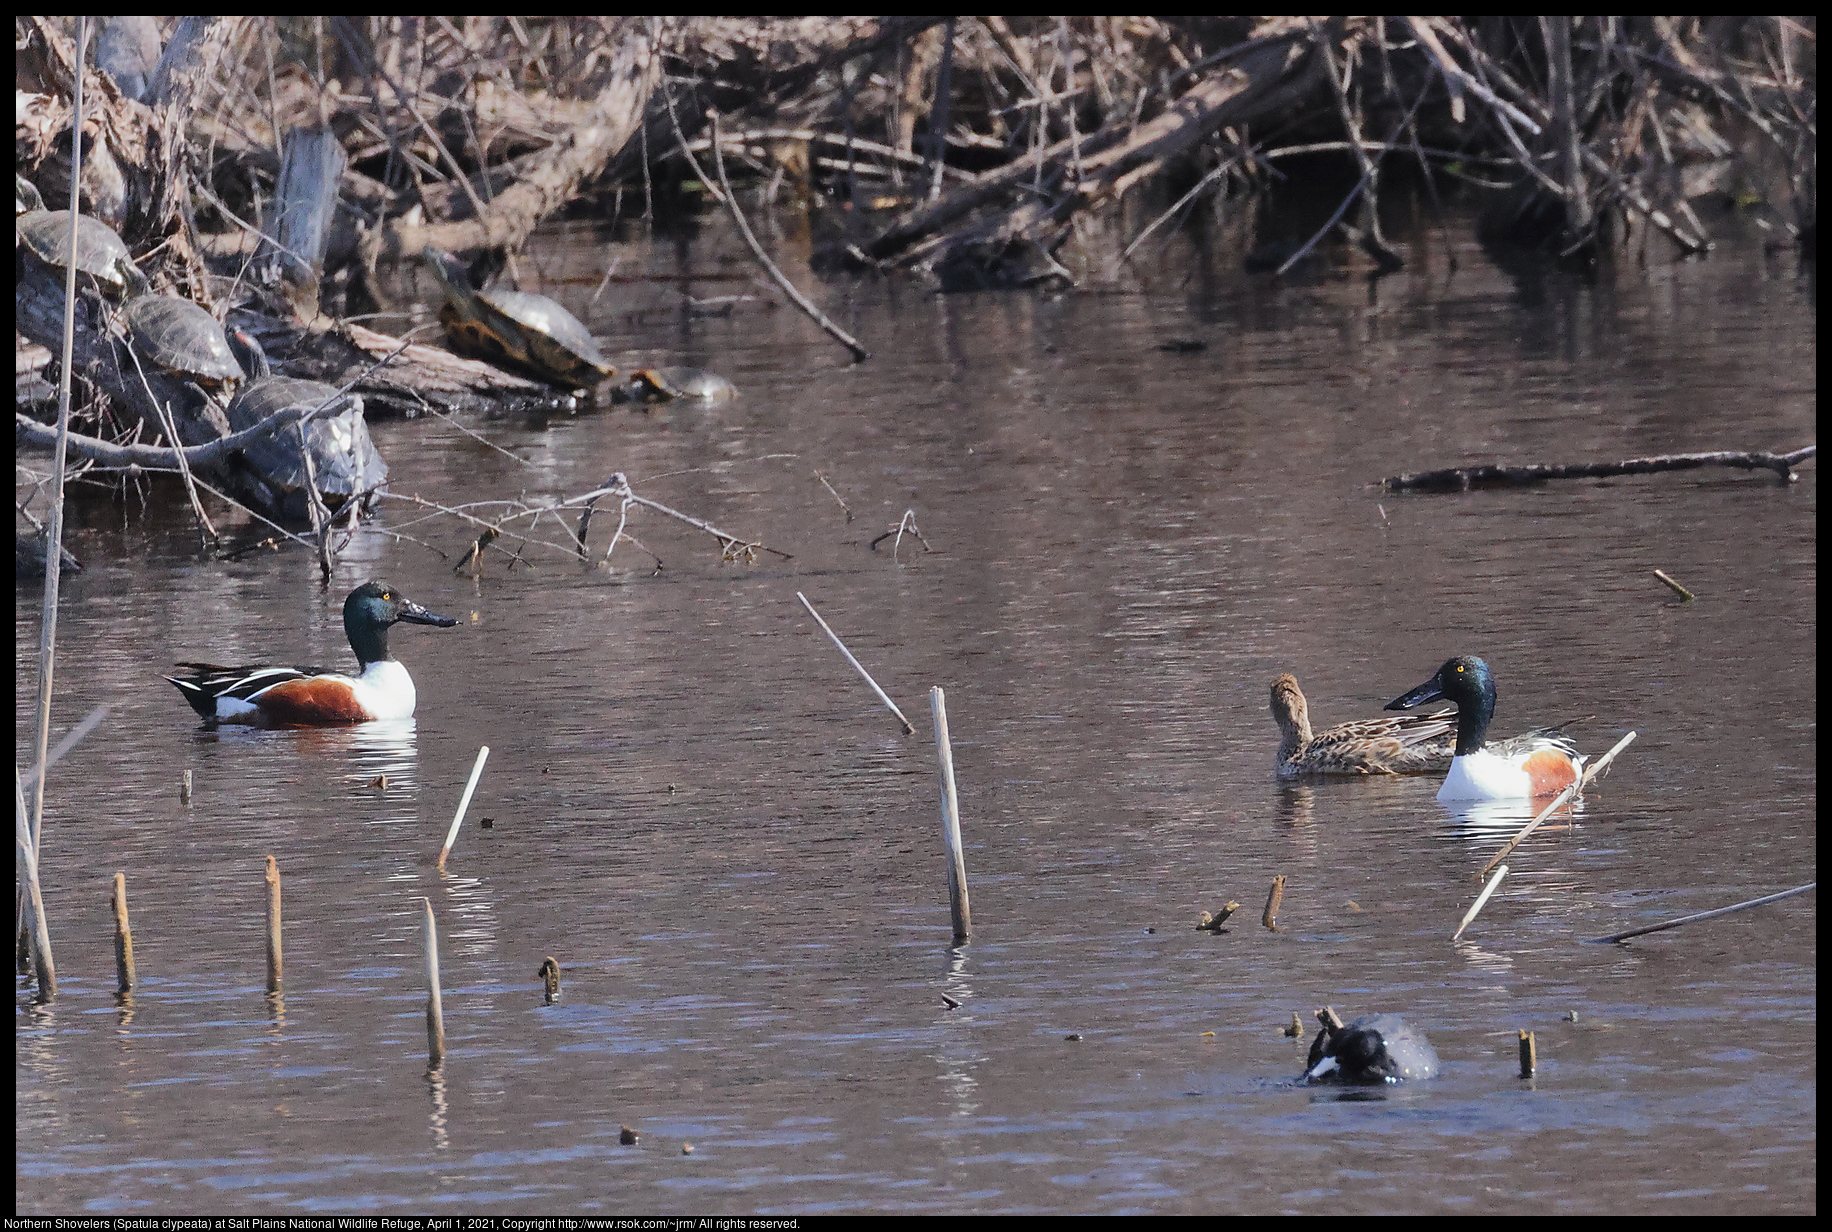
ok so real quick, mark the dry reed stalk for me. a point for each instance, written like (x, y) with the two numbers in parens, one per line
(33, 901)
(958, 905)
(1481, 899)
(464, 802)
(32, 824)
(908, 728)
(1590, 772)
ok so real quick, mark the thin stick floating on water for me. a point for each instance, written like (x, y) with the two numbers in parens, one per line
(1590, 772)
(124, 936)
(274, 965)
(435, 1010)
(1683, 593)
(1595, 768)
(70, 741)
(1529, 1055)
(451, 836)
(1270, 918)
(908, 728)
(184, 787)
(1704, 915)
(950, 819)
(1480, 900)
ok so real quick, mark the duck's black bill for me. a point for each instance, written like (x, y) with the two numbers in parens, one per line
(1430, 691)
(414, 613)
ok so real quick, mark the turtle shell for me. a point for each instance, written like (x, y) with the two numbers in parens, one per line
(99, 252)
(517, 328)
(178, 335)
(344, 460)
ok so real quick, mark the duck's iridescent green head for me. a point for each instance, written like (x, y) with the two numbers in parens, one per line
(1465, 680)
(372, 608)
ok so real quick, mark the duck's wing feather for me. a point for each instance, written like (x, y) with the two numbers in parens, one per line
(206, 682)
(1403, 744)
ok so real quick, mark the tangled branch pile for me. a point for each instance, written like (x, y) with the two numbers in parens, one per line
(979, 139)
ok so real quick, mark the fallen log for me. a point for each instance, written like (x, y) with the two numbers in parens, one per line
(1463, 479)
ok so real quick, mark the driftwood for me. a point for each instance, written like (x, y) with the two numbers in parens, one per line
(28, 431)
(1465, 478)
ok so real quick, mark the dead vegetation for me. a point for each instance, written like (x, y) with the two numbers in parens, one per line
(276, 164)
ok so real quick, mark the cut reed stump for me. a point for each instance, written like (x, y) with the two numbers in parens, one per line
(123, 938)
(274, 966)
(1463, 479)
(435, 1009)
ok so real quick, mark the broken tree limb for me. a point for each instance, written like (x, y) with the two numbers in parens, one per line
(1706, 915)
(158, 457)
(636, 66)
(1274, 76)
(859, 353)
(1462, 479)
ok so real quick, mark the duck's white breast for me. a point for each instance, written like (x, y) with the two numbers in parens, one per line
(386, 690)
(1484, 776)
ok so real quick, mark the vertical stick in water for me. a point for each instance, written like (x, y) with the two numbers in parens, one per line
(435, 1011)
(1529, 1055)
(273, 925)
(951, 820)
(54, 525)
(124, 937)
(1275, 896)
(451, 836)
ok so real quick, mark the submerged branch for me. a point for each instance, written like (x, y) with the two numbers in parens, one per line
(1464, 478)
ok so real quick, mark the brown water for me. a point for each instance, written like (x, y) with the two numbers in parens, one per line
(735, 854)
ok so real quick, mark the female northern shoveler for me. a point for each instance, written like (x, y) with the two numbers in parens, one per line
(312, 696)
(1539, 763)
(1414, 744)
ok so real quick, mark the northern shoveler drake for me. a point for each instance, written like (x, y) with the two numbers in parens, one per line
(312, 696)
(1540, 763)
(1412, 744)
